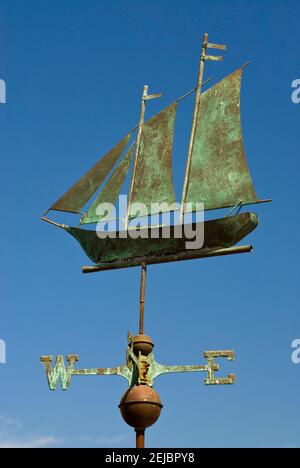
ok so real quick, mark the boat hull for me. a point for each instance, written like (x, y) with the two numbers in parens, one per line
(220, 233)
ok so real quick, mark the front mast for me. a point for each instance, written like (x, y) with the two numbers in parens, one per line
(145, 97)
(137, 150)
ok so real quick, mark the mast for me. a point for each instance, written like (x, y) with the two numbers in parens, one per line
(196, 109)
(203, 58)
(137, 150)
(145, 97)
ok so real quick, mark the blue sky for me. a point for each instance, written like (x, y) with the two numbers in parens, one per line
(74, 71)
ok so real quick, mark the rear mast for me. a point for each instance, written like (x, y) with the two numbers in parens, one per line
(203, 58)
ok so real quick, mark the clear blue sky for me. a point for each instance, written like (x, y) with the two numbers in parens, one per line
(74, 71)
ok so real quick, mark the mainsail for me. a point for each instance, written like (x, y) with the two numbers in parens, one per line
(219, 176)
(153, 181)
(81, 192)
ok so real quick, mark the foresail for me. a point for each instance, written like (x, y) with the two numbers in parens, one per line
(154, 177)
(111, 191)
(219, 176)
(79, 194)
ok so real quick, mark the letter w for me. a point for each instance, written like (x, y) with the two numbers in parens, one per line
(59, 371)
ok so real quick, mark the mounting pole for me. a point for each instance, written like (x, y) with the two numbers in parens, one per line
(140, 438)
(142, 297)
(194, 123)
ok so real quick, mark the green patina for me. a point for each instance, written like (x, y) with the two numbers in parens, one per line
(138, 369)
(219, 176)
(154, 179)
(219, 233)
(81, 192)
(111, 191)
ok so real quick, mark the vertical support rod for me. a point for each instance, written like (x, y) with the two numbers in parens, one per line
(193, 130)
(140, 438)
(137, 150)
(142, 297)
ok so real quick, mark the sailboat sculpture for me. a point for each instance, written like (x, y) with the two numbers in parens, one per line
(216, 175)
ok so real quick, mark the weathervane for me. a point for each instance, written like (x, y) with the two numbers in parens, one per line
(216, 175)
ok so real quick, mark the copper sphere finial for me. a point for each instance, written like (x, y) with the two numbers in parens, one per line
(140, 407)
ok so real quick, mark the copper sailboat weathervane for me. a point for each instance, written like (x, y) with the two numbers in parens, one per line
(217, 176)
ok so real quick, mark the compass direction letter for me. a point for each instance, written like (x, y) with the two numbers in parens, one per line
(59, 371)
